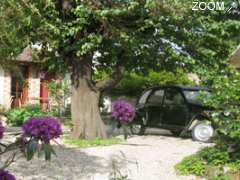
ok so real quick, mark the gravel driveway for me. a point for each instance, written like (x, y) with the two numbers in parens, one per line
(141, 158)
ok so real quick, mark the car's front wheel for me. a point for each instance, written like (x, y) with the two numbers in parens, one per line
(137, 128)
(202, 132)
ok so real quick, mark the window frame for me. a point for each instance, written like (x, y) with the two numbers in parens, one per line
(153, 91)
(138, 102)
(174, 104)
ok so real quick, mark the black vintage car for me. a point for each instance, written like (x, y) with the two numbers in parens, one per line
(176, 108)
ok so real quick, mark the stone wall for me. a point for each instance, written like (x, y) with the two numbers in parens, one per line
(34, 85)
(2, 79)
(7, 89)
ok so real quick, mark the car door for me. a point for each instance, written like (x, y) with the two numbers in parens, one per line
(154, 108)
(175, 109)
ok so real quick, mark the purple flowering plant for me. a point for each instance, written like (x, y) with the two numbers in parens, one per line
(123, 111)
(2, 130)
(44, 128)
(37, 133)
(5, 175)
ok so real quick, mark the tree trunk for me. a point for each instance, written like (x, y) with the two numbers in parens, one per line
(87, 122)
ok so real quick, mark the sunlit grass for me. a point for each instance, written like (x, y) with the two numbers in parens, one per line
(93, 142)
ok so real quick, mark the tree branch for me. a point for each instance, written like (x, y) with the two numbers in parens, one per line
(9, 161)
(112, 80)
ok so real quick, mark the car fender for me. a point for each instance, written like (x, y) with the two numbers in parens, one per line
(193, 123)
(196, 119)
(140, 118)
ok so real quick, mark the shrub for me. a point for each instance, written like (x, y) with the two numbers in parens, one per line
(5, 175)
(44, 128)
(226, 109)
(133, 84)
(2, 130)
(60, 91)
(35, 139)
(215, 156)
(123, 111)
(17, 116)
(220, 177)
(234, 166)
(191, 165)
(210, 161)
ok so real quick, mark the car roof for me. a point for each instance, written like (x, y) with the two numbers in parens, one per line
(182, 87)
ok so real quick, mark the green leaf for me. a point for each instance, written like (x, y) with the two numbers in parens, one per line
(48, 150)
(31, 149)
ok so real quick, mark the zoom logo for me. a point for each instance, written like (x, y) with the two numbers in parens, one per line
(211, 6)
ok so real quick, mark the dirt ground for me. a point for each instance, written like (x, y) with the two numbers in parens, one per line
(138, 158)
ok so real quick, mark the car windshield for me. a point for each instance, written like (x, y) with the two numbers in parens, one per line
(144, 97)
(195, 96)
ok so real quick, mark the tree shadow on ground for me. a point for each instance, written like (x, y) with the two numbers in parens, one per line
(70, 164)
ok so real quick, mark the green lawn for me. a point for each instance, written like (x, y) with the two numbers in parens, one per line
(89, 143)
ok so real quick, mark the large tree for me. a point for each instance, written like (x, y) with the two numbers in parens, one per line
(80, 37)
(83, 37)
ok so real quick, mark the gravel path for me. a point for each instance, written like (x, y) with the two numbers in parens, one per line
(141, 158)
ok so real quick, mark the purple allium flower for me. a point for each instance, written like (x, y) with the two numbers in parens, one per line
(123, 111)
(44, 128)
(2, 129)
(5, 175)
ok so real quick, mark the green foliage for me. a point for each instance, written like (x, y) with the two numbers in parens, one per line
(215, 156)
(234, 165)
(210, 161)
(133, 83)
(17, 116)
(141, 34)
(94, 142)
(221, 176)
(60, 92)
(35, 146)
(226, 114)
(191, 165)
(48, 151)
(72, 30)
(135, 34)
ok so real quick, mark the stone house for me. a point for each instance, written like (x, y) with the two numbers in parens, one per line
(23, 85)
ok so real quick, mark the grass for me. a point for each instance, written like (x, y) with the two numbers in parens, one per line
(93, 142)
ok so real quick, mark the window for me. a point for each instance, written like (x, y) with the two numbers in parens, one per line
(173, 97)
(144, 97)
(156, 97)
(195, 96)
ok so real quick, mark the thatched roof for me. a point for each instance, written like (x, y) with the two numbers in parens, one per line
(235, 58)
(25, 56)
